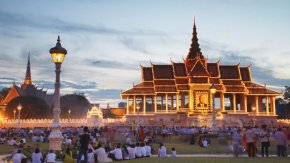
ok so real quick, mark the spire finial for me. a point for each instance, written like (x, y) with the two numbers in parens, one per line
(194, 47)
(27, 80)
(58, 39)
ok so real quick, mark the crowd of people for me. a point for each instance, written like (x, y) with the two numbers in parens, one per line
(248, 137)
(100, 145)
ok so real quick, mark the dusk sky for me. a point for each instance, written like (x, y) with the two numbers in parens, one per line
(108, 40)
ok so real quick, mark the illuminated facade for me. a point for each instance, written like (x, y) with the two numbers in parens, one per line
(178, 93)
(95, 116)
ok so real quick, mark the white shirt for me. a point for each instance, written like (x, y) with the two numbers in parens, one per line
(138, 151)
(173, 154)
(128, 141)
(36, 157)
(162, 152)
(118, 153)
(91, 158)
(132, 152)
(250, 136)
(50, 157)
(24, 140)
(34, 139)
(17, 157)
(264, 135)
(148, 150)
(11, 142)
(101, 153)
(204, 143)
(143, 151)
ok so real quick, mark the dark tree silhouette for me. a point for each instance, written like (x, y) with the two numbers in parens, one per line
(78, 104)
(32, 107)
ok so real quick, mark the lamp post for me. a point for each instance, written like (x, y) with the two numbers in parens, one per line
(254, 113)
(69, 111)
(14, 111)
(19, 107)
(55, 138)
(213, 91)
(138, 122)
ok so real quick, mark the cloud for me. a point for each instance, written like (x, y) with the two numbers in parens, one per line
(113, 64)
(134, 44)
(260, 73)
(13, 21)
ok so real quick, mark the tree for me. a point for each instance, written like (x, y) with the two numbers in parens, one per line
(286, 94)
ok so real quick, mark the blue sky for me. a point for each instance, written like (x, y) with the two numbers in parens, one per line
(108, 40)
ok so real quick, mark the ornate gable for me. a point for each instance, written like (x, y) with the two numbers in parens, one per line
(15, 91)
(198, 70)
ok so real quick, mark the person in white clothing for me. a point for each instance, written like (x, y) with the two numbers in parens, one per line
(91, 157)
(128, 140)
(17, 157)
(117, 153)
(162, 151)
(265, 142)
(138, 151)
(132, 152)
(173, 152)
(101, 154)
(148, 150)
(36, 156)
(250, 136)
(50, 157)
(143, 150)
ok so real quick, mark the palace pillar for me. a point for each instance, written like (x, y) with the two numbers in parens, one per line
(234, 103)
(257, 104)
(182, 101)
(162, 107)
(274, 105)
(172, 102)
(127, 105)
(190, 100)
(134, 105)
(245, 104)
(144, 104)
(155, 103)
(177, 102)
(267, 105)
(166, 99)
(152, 104)
(222, 101)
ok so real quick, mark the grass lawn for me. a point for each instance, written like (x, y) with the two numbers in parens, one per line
(210, 160)
(7, 149)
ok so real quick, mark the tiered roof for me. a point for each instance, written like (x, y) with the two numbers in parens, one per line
(195, 70)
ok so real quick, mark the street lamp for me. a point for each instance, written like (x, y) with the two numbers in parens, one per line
(55, 138)
(138, 122)
(254, 113)
(19, 107)
(69, 111)
(14, 111)
(213, 91)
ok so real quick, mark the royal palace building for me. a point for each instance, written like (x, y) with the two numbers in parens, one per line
(179, 93)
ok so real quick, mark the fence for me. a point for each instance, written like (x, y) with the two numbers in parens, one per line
(31, 123)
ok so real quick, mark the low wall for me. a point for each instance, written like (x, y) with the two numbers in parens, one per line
(24, 123)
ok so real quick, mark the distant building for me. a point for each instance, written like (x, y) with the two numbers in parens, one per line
(180, 93)
(26, 89)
